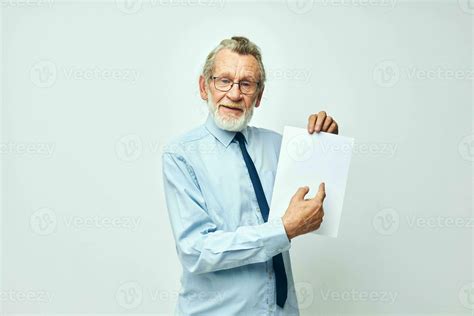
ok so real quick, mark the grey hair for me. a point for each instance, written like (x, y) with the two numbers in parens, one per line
(240, 45)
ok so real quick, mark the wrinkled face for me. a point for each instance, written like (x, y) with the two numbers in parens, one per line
(232, 110)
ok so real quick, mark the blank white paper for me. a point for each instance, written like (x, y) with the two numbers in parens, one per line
(307, 160)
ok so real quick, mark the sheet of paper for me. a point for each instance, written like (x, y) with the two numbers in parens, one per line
(307, 160)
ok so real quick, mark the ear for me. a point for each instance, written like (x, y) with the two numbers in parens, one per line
(202, 88)
(259, 97)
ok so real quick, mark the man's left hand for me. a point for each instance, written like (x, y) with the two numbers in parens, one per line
(321, 122)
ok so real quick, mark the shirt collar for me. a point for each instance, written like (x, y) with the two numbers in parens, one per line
(225, 137)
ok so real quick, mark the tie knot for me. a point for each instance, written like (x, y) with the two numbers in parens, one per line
(240, 137)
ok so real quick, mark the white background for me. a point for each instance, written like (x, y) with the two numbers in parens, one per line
(381, 68)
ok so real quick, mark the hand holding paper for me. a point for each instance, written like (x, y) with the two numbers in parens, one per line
(308, 160)
(304, 215)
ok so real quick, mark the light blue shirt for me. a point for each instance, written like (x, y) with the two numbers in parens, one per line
(222, 242)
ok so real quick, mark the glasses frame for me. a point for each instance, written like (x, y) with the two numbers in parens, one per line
(237, 83)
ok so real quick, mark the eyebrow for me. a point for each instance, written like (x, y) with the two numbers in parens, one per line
(228, 74)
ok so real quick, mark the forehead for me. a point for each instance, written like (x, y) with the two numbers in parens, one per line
(229, 62)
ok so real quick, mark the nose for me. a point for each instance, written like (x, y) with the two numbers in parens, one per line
(234, 93)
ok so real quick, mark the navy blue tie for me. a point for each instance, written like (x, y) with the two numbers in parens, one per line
(281, 282)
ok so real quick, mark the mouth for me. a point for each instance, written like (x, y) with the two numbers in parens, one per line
(231, 109)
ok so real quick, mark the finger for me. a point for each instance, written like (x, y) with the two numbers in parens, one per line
(333, 128)
(316, 226)
(311, 121)
(321, 192)
(327, 123)
(300, 193)
(319, 121)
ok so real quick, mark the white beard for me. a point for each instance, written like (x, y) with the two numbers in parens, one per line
(229, 123)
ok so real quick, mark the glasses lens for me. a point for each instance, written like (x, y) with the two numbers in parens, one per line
(248, 87)
(223, 83)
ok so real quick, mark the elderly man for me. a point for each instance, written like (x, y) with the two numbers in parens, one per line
(218, 180)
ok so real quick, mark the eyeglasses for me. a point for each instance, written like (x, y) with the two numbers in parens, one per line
(224, 84)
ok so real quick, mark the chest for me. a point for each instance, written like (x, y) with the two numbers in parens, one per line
(227, 188)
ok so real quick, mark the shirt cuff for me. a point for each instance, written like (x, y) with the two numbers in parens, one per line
(274, 237)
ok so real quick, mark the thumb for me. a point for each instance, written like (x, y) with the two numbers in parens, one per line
(321, 192)
(300, 193)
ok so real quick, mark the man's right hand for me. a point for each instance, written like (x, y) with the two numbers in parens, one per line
(304, 215)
